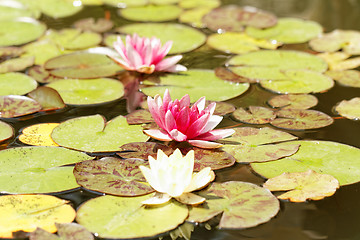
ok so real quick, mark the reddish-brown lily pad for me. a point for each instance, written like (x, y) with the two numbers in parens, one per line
(300, 119)
(113, 176)
(349, 78)
(227, 75)
(48, 98)
(15, 106)
(143, 150)
(234, 18)
(297, 101)
(139, 117)
(254, 115)
(69, 231)
(90, 24)
(349, 109)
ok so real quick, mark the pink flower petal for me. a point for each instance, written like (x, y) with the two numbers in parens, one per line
(196, 127)
(200, 104)
(134, 58)
(158, 134)
(170, 123)
(155, 113)
(215, 134)
(177, 135)
(212, 123)
(204, 144)
(122, 63)
(166, 63)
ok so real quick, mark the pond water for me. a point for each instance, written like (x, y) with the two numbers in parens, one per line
(334, 218)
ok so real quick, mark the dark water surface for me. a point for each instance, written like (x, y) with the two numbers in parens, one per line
(334, 218)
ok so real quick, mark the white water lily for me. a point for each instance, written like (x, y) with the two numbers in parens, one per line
(172, 177)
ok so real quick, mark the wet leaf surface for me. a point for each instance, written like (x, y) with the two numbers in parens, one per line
(95, 25)
(15, 106)
(93, 134)
(139, 116)
(48, 98)
(151, 13)
(303, 185)
(254, 115)
(13, 83)
(27, 212)
(6, 131)
(349, 78)
(68, 231)
(242, 205)
(300, 119)
(38, 134)
(113, 176)
(291, 101)
(234, 18)
(16, 64)
(126, 217)
(349, 108)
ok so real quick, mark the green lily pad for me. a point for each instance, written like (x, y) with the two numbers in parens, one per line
(10, 9)
(126, 217)
(15, 106)
(163, 2)
(194, 16)
(16, 84)
(297, 101)
(199, 3)
(222, 108)
(151, 13)
(95, 25)
(338, 61)
(16, 64)
(88, 91)
(48, 98)
(113, 176)
(125, 3)
(38, 169)
(249, 144)
(58, 8)
(185, 39)
(42, 50)
(238, 43)
(254, 115)
(288, 30)
(41, 75)
(350, 78)
(234, 18)
(227, 75)
(242, 205)
(93, 134)
(346, 40)
(20, 30)
(69, 231)
(11, 51)
(336, 159)
(6, 131)
(197, 83)
(349, 109)
(300, 119)
(139, 116)
(82, 65)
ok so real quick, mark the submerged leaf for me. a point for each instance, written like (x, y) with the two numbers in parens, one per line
(38, 134)
(349, 109)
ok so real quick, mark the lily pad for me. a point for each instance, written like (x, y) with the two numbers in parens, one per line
(304, 185)
(27, 212)
(41, 75)
(139, 116)
(38, 134)
(88, 91)
(11, 9)
(6, 131)
(346, 40)
(185, 39)
(238, 43)
(15, 106)
(338, 61)
(194, 16)
(151, 13)
(38, 169)
(82, 65)
(336, 159)
(126, 217)
(300, 119)
(350, 78)
(16, 64)
(48, 98)
(125, 3)
(288, 31)
(349, 109)
(222, 108)
(16, 84)
(69, 231)
(297, 101)
(113, 176)
(197, 83)
(42, 50)
(227, 75)
(199, 3)
(249, 144)
(143, 150)
(58, 8)
(93, 134)
(95, 25)
(234, 18)
(254, 115)
(11, 51)
(242, 205)
(20, 30)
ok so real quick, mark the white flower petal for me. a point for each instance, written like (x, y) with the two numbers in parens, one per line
(200, 179)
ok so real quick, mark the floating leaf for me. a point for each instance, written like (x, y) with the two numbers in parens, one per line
(11, 51)
(139, 116)
(151, 13)
(82, 65)
(27, 212)
(238, 43)
(297, 101)
(339, 60)
(42, 50)
(120, 217)
(234, 18)
(19, 31)
(197, 83)
(95, 25)
(11, 9)
(299, 119)
(125, 3)
(16, 84)
(349, 78)
(185, 39)
(194, 16)
(48, 98)
(38, 134)
(349, 109)
(69, 231)
(346, 40)
(162, 2)
(37, 169)
(257, 145)
(199, 3)
(288, 30)
(242, 205)
(336, 159)
(15, 106)
(222, 108)
(113, 176)
(41, 75)
(143, 150)
(303, 185)
(227, 75)
(88, 91)
(6, 131)
(58, 8)
(254, 115)
(16, 64)
(93, 134)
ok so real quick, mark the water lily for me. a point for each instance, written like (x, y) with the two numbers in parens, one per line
(180, 122)
(146, 55)
(172, 177)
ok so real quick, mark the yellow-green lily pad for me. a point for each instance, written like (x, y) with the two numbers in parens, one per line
(151, 13)
(16, 64)
(10, 9)
(254, 115)
(297, 101)
(349, 109)
(42, 50)
(125, 3)
(58, 8)
(48, 98)
(6, 131)
(350, 78)
(338, 61)
(16, 84)
(194, 16)
(95, 25)
(199, 3)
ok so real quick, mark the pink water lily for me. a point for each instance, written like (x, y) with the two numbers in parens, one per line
(180, 122)
(146, 55)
